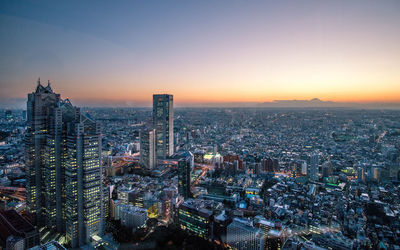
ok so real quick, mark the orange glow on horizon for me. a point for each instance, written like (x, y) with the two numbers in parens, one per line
(204, 97)
(339, 51)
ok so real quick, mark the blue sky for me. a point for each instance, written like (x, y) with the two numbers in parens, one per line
(120, 52)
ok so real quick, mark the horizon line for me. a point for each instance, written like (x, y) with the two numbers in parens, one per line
(277, 104)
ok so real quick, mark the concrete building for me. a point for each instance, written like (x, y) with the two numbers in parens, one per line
(163, 122)
(195, 219)
(148, 157)
(184, 170)
(132, 217)
(16, 232)
(241, 234)
(313, 168)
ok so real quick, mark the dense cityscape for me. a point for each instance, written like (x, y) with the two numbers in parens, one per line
(197, 178)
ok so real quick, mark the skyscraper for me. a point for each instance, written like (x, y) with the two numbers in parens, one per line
(195, 219)
(313, 173)
(184, 169)
(241, 234)
(41, 185)
(147, 148)
(64, 175)
(163, 123)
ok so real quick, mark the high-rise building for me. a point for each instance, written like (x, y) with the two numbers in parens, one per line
(64, 173)
(267, 165)
(241, 234)
(42, 188)
(313, 167)
(148, 149)
(184, 169)
(195, 219)
(163, 123)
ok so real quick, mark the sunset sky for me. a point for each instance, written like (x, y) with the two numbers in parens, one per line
(121, 52)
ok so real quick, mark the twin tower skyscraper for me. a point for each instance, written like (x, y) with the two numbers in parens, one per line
(63, 167)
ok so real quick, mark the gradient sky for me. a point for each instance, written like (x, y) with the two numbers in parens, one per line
(121, 52)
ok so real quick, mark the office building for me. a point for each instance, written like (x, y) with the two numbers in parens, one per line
(42, 188)
(16, 232)
(195, 219)
(148, 149)
(64, 174)
(184, 170)
(313, 167)
(241, 234)
(273, 231)
(133, 217)
(163, 123)
(327, 169)
(221, 222)
(267, 165)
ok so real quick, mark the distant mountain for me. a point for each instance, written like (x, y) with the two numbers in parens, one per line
(313, 103)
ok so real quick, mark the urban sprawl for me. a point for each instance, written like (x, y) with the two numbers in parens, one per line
(197, 178)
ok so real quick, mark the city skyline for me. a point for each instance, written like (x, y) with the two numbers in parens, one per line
(19, 103)
(208, 52)
(213, 124)
(242, 178)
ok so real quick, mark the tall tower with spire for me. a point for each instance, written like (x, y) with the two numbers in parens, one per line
(64, 175)
(41, 107)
